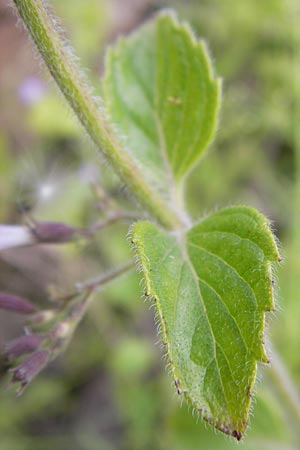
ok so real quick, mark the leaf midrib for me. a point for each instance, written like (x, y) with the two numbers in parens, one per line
(161, 139)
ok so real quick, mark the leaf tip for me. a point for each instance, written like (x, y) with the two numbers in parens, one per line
(168, 14)
(237, 435)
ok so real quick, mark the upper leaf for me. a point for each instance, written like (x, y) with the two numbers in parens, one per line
(161, 94)
(212, 287)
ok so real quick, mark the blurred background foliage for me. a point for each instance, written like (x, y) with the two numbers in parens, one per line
(110, 390)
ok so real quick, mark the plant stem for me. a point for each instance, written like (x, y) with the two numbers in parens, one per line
(75, 309)
(59, 59)
(284, 385)
(96, 283)
(104, 280)
(113, 218)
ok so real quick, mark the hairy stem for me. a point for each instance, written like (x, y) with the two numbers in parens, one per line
(61, 64)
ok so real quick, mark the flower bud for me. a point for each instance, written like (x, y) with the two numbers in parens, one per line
(30, 368)
(52, 232)
(23, 345)
(16, 304)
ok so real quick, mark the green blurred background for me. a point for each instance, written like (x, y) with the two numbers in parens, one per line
(110, 390)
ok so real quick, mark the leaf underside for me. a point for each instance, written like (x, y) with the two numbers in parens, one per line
(212, 287)
(161, 94)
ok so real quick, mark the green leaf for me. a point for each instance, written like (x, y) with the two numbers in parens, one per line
(161, 94)
(212, 286)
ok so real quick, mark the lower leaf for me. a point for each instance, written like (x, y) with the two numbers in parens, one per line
(212, 286)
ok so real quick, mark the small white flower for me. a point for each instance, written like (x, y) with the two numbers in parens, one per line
(15, 236)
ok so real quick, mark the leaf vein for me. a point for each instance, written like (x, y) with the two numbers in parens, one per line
(226, 307)
(232, 234)
(215, 255)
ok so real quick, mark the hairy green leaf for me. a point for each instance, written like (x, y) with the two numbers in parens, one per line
(161, 94)
(212, 286)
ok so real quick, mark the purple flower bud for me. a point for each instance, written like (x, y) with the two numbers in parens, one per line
(23, 345)
(53, 232)
(30, 367)
(16, 304)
